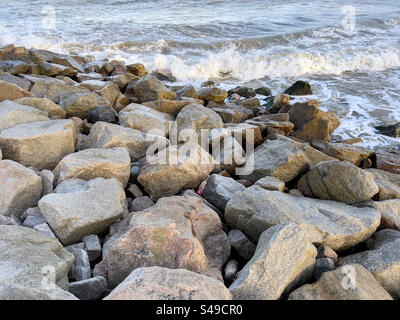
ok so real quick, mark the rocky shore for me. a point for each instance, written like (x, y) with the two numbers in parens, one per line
(86, 213)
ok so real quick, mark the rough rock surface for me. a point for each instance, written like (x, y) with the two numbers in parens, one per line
(26, 257)
(79, 208)
(21, 188)
(108, 135)
(13, 114)
(95, 163)
(149, 88)
(90, 289)
(9, 91)
(334, 224)
(174, 169)
(340, 181)
(284, 258)
(156, 283)
(39, 144)
(390, 211)
(81, 104)
(178, 232)
(333, 286)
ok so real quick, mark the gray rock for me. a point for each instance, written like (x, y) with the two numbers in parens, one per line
(81, 268)
(340, 181)
(278, 158)
(92, 246)
(334, 224)
(48, 181)
(388, 183)
(104, 114)
(90, 289)
(382, 237)
(23, 188)
(135, 191)
(79, 208)
(383, 262)
(45, 229)
(390, 211)
(13, 114)
(33, 266)
(34, 220)
(140, 204)
(338, 285)
(231, 270)
(283, 260)
(243, 246)
(156, 283)
(219, 190)
(323, 265)
(271, 183)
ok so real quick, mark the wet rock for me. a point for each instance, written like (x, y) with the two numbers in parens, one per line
(187, 91)
(95, 163)
(107, 135)
(242, 245)
(219, 190)
(13, 114)
(271, 183)
(299, 88)
(212, 94)
(39, 144)
(340, 181)
(330, 223)
(243, 91)
(278, 102)
(137, 69)
(156, 283)
(174, 169)
(36, 257)
(79, 208)
(284, 258)
(145, 119)
(311, 123)
(334, 285)
(264, 91)
(149, 88)
(391, 131)
(21, 188)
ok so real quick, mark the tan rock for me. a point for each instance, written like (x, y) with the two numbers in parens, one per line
(53, 69)
(39, 144)
(213, 94)
(81, 104)
(171, 107)
(149, 88)
(9, 91)
(13, 114)
(21, 188)
(333, 286)
(95, 163)
(156, 283)
(174, 169)
(46, 105)
(178, 232)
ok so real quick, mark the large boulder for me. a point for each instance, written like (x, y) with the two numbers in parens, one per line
(145, 119)
(337, 285)
(299, 88)
(9, 91)
(388, 183)
(273, 123)
(284, 258)
(311, 123)
(384, 263)
(95, 163)
(178, 232)
(21, 188)
(13, 114)
(107, 135)
(46, 105)
(39, 144)
(22, 83)
(79, 208)
(33, 266)
(81, 104)
(334, 224)
(345, 152)
(171, 107)
(340, 181)
(53, 89)
(232, 113)
(176, 168)
(278, 158)
(149, 88)
(390, 211)
(219, 190)
(197, 117)
(156, 283)
(54, 69)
